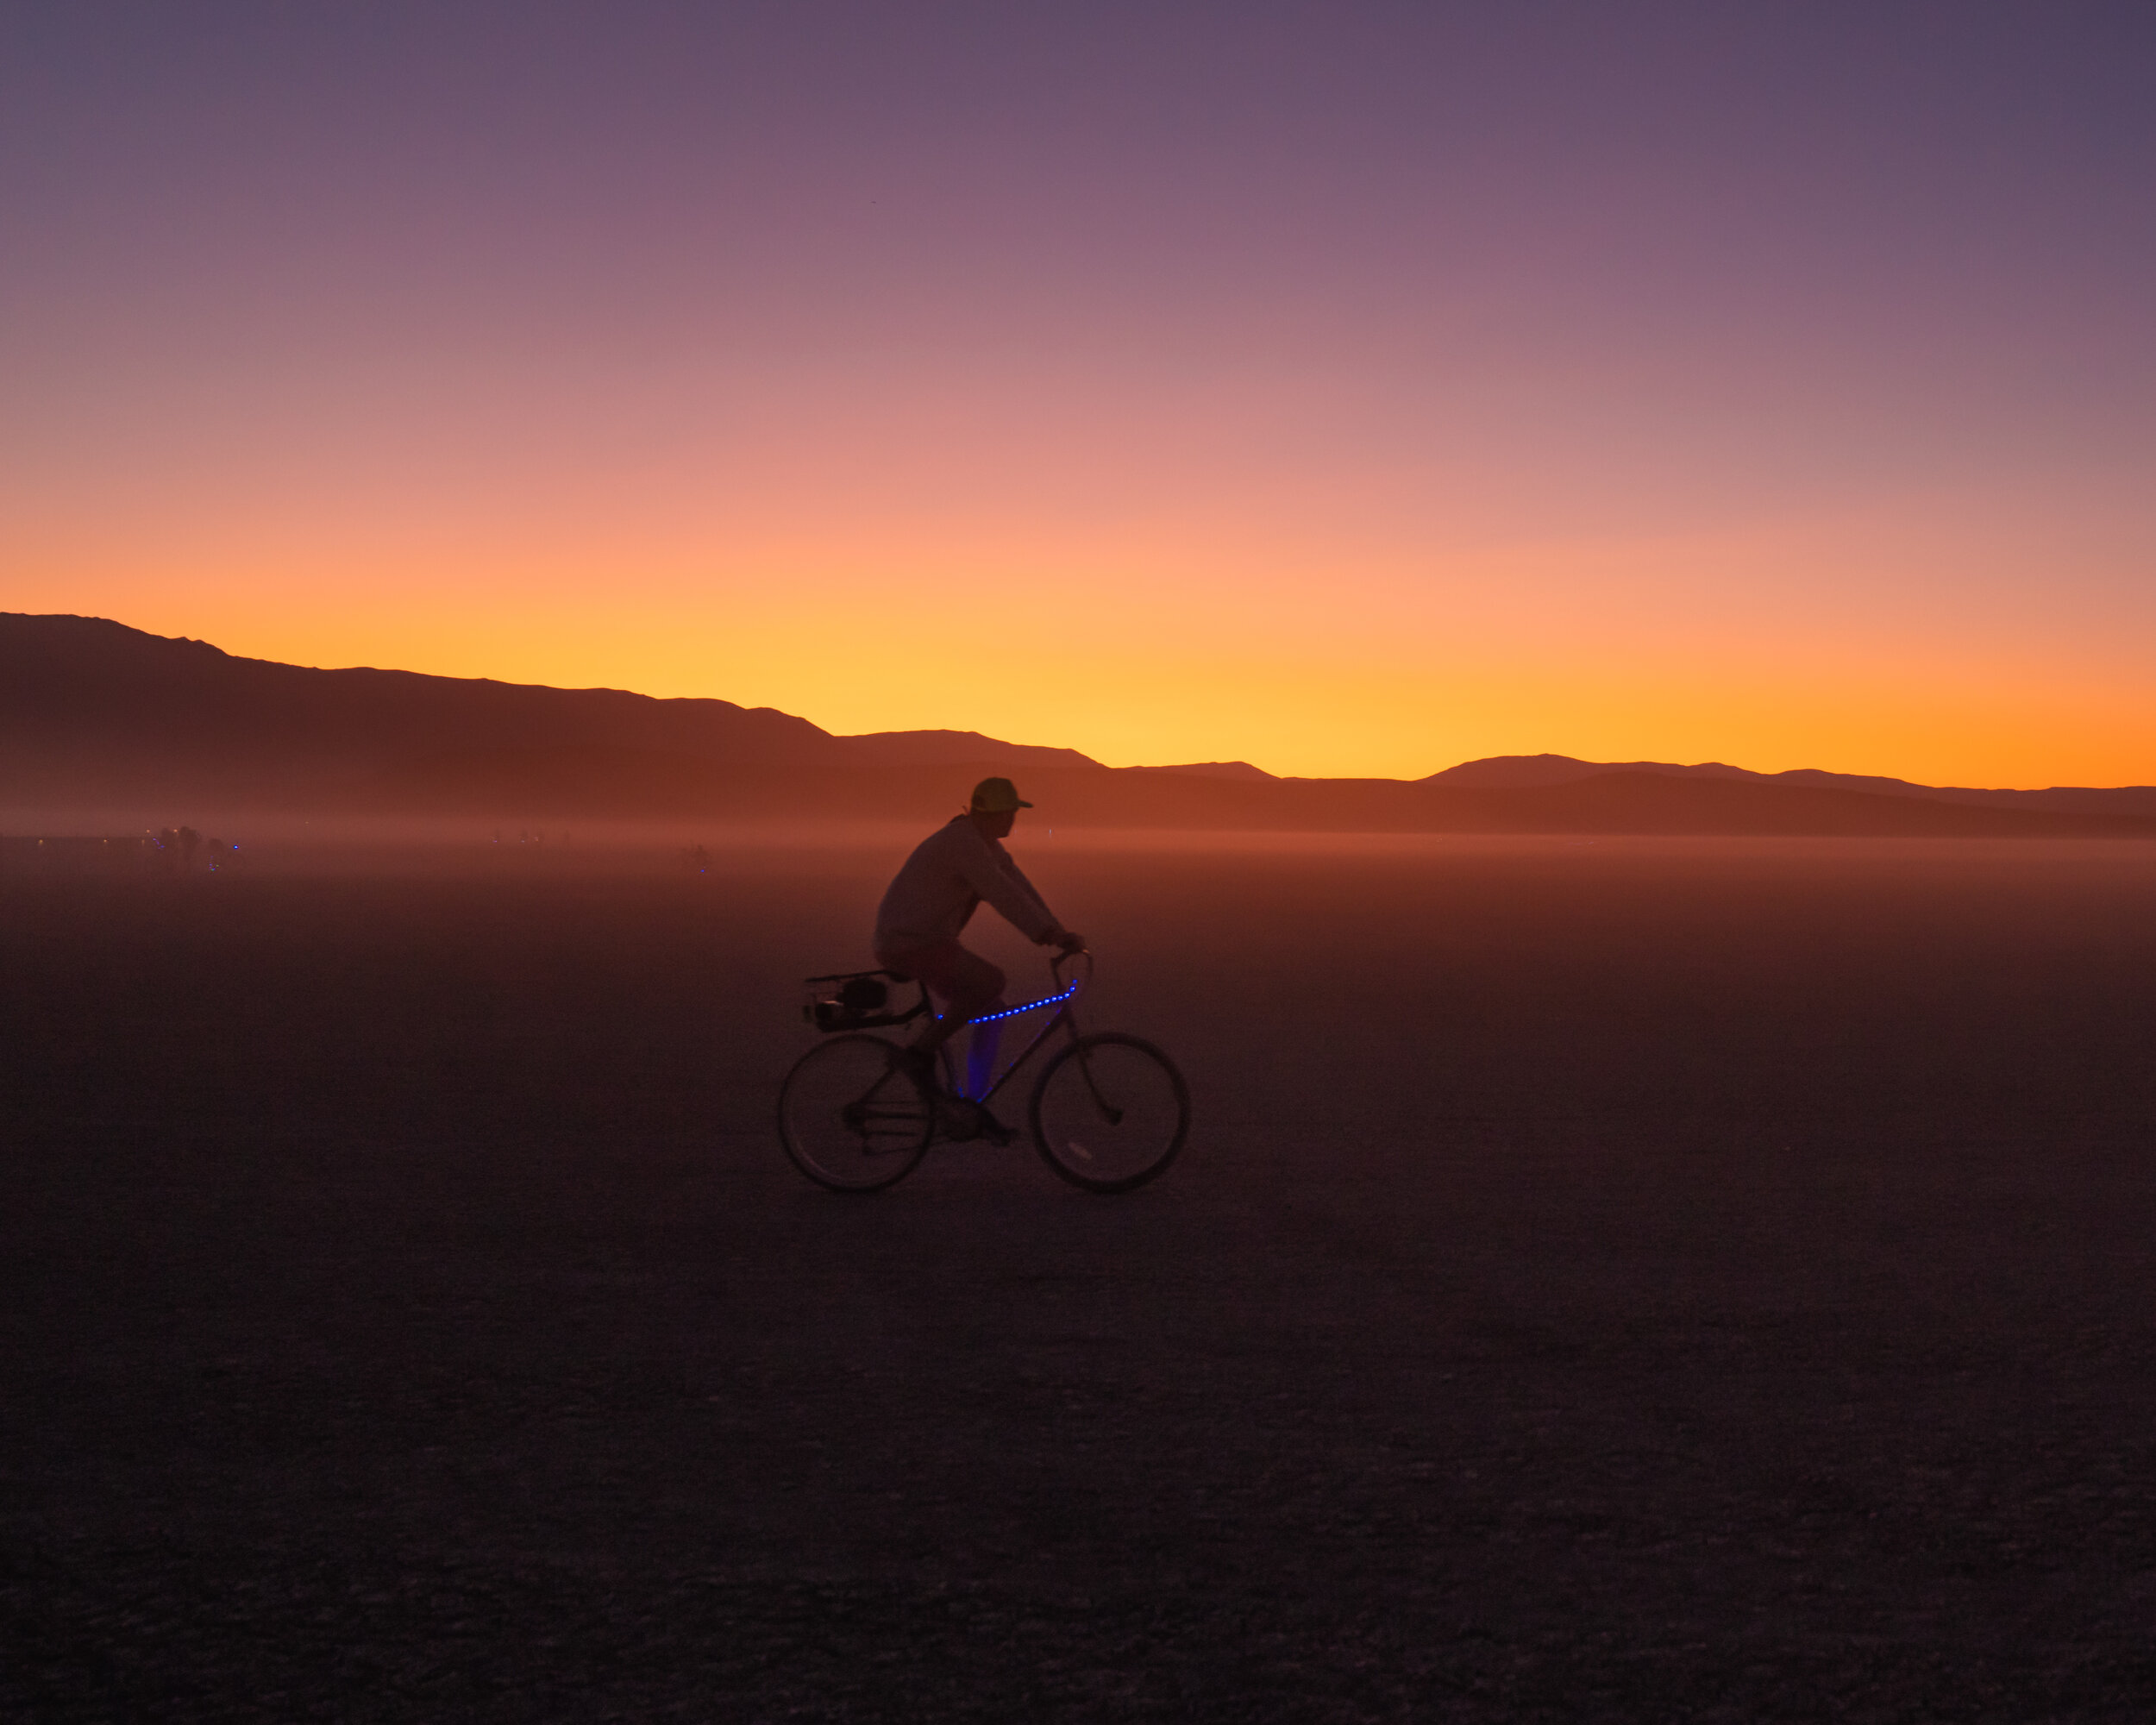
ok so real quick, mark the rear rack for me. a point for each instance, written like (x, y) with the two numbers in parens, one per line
(857, 1000)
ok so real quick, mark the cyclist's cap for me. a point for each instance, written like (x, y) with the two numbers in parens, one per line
(997, 796)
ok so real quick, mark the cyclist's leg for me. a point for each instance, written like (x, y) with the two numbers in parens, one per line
(980, 1054)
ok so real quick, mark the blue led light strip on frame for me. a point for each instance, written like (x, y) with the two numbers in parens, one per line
(1030, 1005)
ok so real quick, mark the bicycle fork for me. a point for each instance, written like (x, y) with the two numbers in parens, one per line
(1109, 1112)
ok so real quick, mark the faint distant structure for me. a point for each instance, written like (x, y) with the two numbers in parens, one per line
(169, 851)
(32, 855)
(176, 847)
(697, 860)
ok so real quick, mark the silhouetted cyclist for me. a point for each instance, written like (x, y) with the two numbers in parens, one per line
(935, 896)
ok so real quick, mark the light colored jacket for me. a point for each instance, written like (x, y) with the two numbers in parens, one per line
(943, 883)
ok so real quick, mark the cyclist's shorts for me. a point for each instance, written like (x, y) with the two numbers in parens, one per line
(957, 977)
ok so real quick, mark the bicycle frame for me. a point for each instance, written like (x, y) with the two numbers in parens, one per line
(1064, 1019)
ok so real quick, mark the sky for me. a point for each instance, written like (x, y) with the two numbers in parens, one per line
(1352, 389)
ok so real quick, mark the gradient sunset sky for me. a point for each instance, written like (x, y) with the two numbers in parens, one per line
(1352, 389)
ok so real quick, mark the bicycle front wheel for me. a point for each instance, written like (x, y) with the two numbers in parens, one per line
(853, 1116)
(1110, 1112)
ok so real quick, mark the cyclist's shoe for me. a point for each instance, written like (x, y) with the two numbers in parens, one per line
(962, 1120)
(987, 1126)
(953, 1120)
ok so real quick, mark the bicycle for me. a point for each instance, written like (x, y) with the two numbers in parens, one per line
(858, 1112)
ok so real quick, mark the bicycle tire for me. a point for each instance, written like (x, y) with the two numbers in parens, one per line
(1127, 1100)
(854, 1117)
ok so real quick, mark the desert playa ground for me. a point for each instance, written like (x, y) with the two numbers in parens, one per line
(1621, 1280)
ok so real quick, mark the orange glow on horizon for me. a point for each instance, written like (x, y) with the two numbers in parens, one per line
(1402, 680)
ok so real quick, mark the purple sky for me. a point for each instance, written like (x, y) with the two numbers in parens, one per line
(1455, 357)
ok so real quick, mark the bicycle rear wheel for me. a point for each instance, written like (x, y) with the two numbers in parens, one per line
(1110, 1112)
(853, 1116)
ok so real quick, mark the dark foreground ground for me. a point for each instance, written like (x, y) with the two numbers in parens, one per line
(1605, 1282)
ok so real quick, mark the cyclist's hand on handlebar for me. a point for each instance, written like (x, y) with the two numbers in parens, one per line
(1070, 942)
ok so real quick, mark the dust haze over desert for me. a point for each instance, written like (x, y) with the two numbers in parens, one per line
(1570, 591)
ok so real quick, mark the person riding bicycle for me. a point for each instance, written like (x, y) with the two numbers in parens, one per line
(931, 900)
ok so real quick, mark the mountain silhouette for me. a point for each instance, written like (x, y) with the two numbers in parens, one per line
(948, 747)
(1216, 769)
(1513, 772)
(95, 714)
(92, 709)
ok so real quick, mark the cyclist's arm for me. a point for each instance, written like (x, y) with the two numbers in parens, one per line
(1056, 934)
(1010, 892)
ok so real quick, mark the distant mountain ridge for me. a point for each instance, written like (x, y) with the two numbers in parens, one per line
(95, 714)
(1215, 769)
(941, 747)
(1513, 772)
(84, 700)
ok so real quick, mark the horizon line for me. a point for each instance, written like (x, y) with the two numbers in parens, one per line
(1636, 762)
